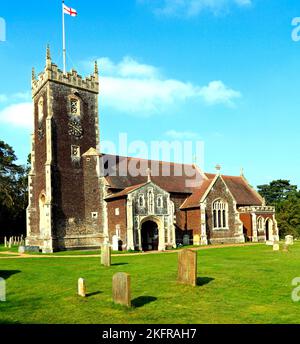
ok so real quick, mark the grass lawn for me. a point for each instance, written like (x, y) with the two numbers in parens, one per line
(250, 284)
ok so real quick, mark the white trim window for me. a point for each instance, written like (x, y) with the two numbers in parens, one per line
(220, 214)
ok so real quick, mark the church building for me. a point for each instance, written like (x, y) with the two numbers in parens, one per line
(81, 198)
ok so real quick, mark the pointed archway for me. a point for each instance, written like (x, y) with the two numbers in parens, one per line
(150, 236)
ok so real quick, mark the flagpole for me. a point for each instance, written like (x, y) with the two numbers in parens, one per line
(64, 37)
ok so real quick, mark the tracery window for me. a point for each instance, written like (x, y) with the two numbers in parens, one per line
(220, 214)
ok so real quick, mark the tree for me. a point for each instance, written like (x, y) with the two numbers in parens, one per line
(288, 215)
(13, 192)
(276, 191)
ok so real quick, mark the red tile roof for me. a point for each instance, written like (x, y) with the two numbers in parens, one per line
(243, 193)
(125, 192)
(194, 200)
(172, 177)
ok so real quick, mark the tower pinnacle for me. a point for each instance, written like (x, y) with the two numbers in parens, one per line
(48, 56)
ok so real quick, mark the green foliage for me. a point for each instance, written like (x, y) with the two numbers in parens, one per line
(286, 198)
(13, 191)
(276, 191)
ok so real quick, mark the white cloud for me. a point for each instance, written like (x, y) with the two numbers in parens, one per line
(141, 89)
(217, 92)
(181, 135)
(191, 8)
(19, 115)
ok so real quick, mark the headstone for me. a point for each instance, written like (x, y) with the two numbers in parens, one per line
(115, 243)
(196, 240)
(22, 249)
(34, 249)
(81, 287)
(121, 289)
(289, 240)
(187, 267)
(275, 246)
(5, 242)
(285, 248)
(186, 239)
(2, 290)
(10, 242)
(106, 255)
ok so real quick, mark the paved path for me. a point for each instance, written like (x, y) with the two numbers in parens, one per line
(15, 255)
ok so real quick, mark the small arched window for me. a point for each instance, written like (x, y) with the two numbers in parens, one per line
(159, 201)
(141, 201)
(260, 224)
(220, 214)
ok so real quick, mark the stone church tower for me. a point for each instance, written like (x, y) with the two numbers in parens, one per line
(65, 200)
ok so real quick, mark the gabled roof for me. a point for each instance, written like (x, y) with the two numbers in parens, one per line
(125, 192)
(242, 192)
(171, 177)
(194, 200)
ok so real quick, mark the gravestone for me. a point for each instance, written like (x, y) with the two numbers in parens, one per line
(81, 287)
(187, 267)
(2, 290)
(121, 289)
(10, 242)
(186, 240)
(285, 248)
(289, 240)
(275, 246)
(34, 249)
(5, 242)
(22, 249)
(106, 255)
(115, 243)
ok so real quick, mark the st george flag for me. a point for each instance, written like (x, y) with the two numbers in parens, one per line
(70, 11)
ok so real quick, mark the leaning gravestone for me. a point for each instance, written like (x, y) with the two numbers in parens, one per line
(81, 287)
(275, 246)
(187, 267)
(106, 255)
(289, 240)
(121, 289)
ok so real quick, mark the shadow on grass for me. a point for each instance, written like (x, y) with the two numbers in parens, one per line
(117, 264)
(204, 280)
(142, 301)
(94, 293)
(7, 273)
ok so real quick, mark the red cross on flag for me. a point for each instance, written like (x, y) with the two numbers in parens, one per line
(70, 11)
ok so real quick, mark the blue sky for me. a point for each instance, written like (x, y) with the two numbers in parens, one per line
(225, 72)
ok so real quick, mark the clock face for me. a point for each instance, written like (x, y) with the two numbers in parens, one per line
(75, 129)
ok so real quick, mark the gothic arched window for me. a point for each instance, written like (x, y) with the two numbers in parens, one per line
(141, 201)
(220, 214)
(159, 201)
(260, 224)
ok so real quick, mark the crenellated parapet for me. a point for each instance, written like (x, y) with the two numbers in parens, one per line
(257, 209)
(72, 78)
